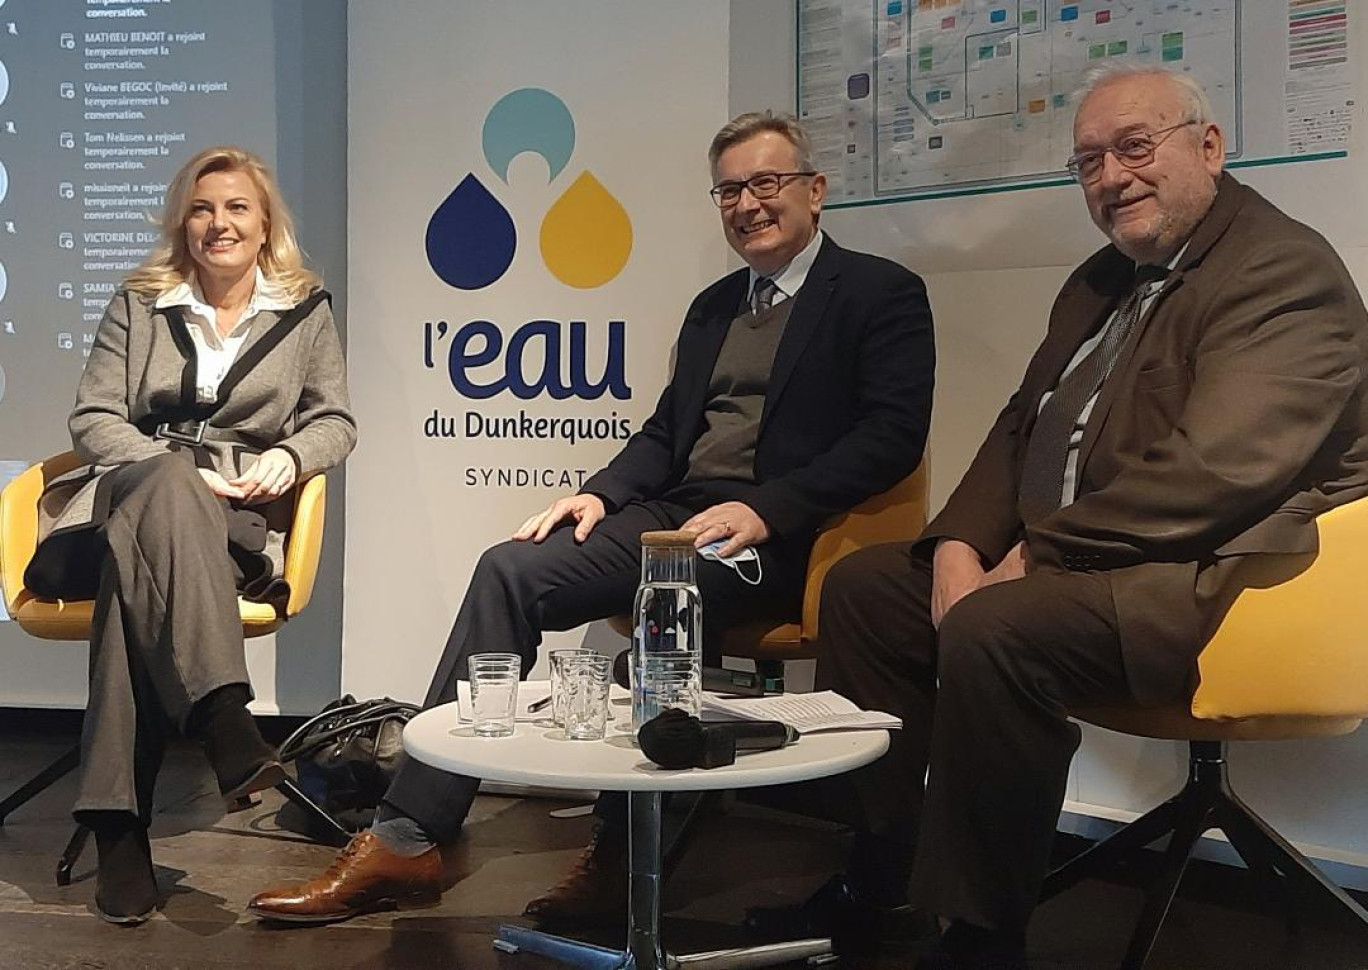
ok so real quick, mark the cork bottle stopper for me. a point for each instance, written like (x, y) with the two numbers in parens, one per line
(668, 539)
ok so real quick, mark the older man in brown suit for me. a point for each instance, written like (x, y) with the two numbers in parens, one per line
(1197, 401)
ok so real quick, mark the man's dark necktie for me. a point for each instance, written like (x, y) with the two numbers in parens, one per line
(762, 297)
(1047, 453)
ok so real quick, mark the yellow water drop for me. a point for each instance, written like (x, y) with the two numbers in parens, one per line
(586, 236)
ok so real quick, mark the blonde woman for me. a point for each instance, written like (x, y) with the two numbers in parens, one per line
(215, 383)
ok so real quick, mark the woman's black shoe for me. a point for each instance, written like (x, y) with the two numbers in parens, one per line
(242, 761)
(125, 886)
(267, 774)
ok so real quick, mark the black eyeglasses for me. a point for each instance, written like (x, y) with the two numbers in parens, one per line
(766, 186)
(1133, 151)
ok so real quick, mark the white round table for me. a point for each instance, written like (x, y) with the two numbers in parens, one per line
(537, 753)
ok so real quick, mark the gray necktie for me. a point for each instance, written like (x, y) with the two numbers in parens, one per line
(1047, 452)
(762, 297)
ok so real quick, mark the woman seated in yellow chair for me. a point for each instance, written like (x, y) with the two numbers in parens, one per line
(215, 383)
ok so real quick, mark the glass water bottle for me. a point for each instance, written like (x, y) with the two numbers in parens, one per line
(667, 645)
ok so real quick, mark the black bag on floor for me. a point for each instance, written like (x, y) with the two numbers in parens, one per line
(345, 758)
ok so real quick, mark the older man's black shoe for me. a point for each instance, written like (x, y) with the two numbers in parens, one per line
(854, 923)
(964, 946)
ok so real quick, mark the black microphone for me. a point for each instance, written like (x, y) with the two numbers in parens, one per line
(674, 739)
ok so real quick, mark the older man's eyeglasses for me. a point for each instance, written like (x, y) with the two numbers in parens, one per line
(1133, 151)
(766, 186)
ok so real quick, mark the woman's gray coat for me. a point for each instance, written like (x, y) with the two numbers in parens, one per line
(287, 389)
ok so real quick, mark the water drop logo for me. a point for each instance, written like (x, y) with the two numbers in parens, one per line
(586, 235)
(470, 238)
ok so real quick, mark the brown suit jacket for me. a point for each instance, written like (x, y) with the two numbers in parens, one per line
(1235, 414)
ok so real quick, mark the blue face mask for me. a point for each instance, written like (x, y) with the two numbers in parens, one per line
(741, 559)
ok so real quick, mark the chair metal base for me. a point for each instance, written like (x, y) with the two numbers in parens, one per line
(41, 782)
(34, 787)
(329, 832)
(72, 854)
(1206, 802)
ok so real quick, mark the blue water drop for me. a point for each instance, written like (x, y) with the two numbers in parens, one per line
(471, 237)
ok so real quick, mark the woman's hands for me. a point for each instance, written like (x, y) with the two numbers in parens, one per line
(219, 485)
(272, 475)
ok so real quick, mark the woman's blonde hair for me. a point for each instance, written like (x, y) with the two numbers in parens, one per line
(170, 264)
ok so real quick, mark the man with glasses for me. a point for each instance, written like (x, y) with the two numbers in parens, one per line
(801, 386)
(1197, 401)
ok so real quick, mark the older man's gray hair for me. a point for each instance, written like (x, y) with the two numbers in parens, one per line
(1197, 106)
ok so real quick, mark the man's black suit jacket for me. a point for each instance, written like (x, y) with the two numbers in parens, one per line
(847, 409)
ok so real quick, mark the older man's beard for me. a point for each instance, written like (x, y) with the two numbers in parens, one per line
(1170, 229)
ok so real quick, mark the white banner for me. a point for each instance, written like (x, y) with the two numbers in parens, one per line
(528, 222)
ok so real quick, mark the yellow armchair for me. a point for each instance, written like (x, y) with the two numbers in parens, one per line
(70, 619)
(1287, 662)
(896, 515)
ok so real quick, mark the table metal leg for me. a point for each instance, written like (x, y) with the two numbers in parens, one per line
(643, 915)
(644, 855)
(568, 953)
(644, 950)
(815, 951)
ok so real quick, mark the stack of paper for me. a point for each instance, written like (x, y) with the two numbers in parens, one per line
(820, 711)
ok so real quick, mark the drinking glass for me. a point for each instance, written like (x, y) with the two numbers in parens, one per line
(586, 680)
(556, 659)
(494, 692)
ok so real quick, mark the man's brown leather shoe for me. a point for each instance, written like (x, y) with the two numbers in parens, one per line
(595, 889)
(366, 877)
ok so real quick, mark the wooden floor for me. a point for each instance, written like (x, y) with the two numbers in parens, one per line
(209, 864)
